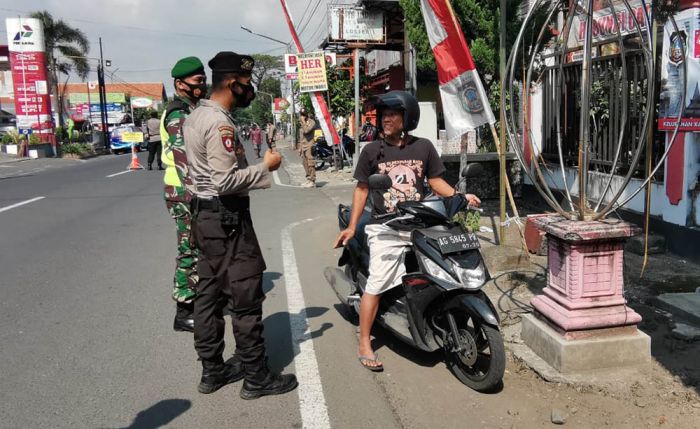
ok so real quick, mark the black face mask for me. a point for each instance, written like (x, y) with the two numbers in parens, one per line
(243, 93)
(196, 91)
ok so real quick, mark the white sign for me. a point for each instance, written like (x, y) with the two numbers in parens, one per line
(605, 26)
(41, 87)
(291, 62)
(141, 102)
(349, 24)
(25, 35)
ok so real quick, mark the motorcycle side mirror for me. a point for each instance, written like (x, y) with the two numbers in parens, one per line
(380, 182)
(472, 170)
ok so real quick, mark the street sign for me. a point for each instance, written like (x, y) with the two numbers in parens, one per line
(352, 24)
(291, 60)
(132, 137)
(312, 72)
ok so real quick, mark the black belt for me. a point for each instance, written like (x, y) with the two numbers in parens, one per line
(216, 204)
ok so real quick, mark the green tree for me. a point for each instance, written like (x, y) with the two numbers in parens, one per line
(260, 109)
(265, 66)
(68, 42)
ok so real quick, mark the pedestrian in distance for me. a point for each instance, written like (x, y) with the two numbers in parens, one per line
(308, 126)
(230, 264)
(409, 161)
(190, 82)
(154, 141)
(271, 132)
(256, 137)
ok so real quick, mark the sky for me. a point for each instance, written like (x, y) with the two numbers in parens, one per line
(144, 38)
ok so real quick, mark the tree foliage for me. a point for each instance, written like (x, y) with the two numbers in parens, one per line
(479, 20)
(265, 66)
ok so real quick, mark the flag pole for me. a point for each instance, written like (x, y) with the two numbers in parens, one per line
(501, 143)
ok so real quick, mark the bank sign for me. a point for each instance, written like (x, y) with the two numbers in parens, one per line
(25, 38)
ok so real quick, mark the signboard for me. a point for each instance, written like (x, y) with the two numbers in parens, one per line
(281, 105)
(132, 137)
(672, 58)
(28, 64)
(312, 72)
(604, 25)
(290, 64)
(141, 102)
(83, 97)
(350, 24)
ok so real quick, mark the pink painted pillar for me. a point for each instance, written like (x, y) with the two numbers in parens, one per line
(585, 274)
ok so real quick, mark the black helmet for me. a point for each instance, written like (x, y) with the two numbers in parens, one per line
(398, 100)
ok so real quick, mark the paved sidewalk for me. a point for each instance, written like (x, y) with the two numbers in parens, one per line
(324, 177)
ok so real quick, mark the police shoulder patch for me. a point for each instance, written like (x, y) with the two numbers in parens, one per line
(228, 138)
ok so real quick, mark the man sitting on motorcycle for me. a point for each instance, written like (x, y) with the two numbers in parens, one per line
(409, 161)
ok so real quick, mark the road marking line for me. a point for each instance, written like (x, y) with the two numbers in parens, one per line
(4, 209)
(121, 172)
(312, 402)
(278, 182)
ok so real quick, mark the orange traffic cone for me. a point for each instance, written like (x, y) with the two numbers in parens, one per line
(134, 160)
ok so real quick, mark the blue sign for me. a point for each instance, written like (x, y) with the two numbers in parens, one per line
(25, 131)
(110, 107)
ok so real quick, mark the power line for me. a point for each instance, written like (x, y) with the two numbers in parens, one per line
(304, 26)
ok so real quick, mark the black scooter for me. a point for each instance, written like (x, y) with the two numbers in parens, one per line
(440, 305)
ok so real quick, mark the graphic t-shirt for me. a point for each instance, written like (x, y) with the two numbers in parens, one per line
(407, 166)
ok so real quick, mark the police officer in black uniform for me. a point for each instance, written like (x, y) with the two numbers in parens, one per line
(230, 262)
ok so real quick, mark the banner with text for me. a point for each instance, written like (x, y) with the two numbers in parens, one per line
(25, 38)
(312, 72)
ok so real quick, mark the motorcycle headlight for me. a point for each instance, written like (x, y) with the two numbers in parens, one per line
(468, 278)
(471, 278)
(435, 270)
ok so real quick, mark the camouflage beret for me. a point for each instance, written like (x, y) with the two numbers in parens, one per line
(187, 67)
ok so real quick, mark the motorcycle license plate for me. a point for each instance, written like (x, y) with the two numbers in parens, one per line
(458, 243)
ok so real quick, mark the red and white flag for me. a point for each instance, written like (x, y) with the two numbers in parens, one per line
(464, 100)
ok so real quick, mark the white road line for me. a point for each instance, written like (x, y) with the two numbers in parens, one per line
(312, 402)
(4, 209)
(278, 182)
(121, 172)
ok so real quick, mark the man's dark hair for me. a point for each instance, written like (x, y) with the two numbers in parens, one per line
(154, 114)
(219, 80)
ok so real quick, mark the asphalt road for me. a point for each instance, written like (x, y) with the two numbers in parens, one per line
(86, 339)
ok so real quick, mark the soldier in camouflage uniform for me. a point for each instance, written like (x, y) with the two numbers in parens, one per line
(190, 83)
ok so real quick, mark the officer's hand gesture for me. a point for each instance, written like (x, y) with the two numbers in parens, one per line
(272, 160)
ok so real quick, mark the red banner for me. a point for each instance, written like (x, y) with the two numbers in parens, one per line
(687, 124)
(29, 77)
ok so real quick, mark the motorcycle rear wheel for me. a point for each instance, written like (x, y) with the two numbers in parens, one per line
(482, 364)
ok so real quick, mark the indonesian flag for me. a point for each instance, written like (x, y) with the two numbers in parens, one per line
(464, 100)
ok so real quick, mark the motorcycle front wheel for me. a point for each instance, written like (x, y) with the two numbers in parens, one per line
(479, 360)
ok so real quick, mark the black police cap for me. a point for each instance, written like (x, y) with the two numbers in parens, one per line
(231, 62)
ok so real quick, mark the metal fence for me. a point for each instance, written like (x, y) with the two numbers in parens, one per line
(606, 113)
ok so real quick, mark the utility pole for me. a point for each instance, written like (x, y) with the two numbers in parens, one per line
(502, 142)
(103, 99)
(356, 77)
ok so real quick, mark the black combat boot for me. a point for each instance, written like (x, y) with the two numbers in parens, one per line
(261, 381)
(150, 166)
(184, 321)
(217, 374)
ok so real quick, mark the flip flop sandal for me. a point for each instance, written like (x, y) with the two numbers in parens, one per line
(365, 359)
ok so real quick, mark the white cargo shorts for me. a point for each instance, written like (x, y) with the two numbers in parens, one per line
(387, 252)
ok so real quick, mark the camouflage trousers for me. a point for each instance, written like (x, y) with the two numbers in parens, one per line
(186, 278)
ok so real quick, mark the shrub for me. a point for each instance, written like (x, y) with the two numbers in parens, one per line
(34, 139)
(7, 139)
(76, 149)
